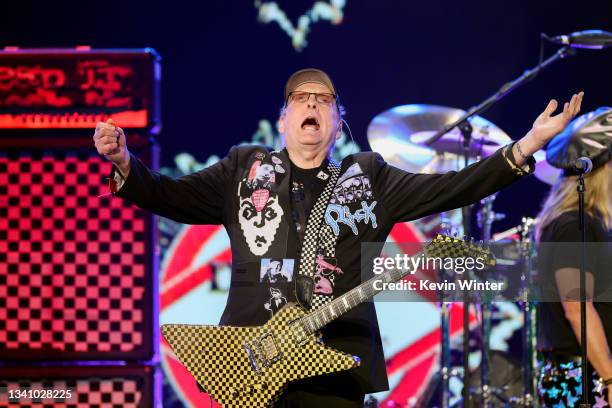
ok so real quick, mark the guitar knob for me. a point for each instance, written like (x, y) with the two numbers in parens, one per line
(261, 386)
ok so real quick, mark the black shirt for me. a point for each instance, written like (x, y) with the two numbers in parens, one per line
(556, 252)
(305, 186)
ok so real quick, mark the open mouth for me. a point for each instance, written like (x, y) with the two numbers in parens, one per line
(310, 123)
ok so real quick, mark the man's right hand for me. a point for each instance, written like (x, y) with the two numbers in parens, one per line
(110, 142)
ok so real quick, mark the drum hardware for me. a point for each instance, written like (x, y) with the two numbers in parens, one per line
(486, 217)
(523, 236)
(402, 136)
(395, 135)
(466, 129)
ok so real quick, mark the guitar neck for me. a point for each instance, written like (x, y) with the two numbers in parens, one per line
(339, 306)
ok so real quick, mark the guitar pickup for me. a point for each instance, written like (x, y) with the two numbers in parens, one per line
(299, 334)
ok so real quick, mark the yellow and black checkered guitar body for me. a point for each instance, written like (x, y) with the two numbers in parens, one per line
(251, 366)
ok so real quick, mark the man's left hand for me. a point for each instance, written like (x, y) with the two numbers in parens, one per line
(547, 126)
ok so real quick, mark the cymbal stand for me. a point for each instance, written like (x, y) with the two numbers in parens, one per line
(445, 356)
(486, 218)
(529, 338)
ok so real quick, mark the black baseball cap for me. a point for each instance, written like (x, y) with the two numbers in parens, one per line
(308, 75)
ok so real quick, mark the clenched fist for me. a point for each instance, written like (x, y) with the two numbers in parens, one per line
(110, 142)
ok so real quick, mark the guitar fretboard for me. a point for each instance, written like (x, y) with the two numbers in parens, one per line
(337, 307)
(441, 246)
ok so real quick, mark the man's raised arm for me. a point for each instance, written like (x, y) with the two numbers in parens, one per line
(198, 198)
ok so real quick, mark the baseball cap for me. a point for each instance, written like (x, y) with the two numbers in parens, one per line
(308, 75)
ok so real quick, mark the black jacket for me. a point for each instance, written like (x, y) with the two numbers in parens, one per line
(255, 208)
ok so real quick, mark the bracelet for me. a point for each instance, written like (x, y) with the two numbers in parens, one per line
(607, 381)
(520, 152)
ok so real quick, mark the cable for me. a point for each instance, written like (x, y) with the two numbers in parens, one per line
(350, 134)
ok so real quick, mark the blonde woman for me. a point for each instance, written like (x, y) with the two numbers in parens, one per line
(559, 265)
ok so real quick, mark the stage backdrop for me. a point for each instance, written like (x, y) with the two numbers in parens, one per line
(224, 67)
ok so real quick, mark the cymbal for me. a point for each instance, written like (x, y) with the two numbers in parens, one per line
(399, 135)
(544, 171)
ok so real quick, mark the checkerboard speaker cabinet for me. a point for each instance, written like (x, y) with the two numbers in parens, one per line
(77, 266)
(83, 387)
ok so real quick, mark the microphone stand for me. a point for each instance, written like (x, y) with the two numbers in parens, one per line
(502, 92)
(466, 130)
(583, 332)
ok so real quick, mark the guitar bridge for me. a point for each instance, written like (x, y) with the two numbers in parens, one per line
(264, 352)
(268, 349)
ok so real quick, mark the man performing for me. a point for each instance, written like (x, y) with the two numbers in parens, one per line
(269, 203)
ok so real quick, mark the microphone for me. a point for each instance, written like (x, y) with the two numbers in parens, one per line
(583, 165)
(593, 39)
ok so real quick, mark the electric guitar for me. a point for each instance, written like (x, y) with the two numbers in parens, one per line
(251, 366)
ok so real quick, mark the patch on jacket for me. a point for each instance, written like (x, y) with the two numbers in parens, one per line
(336, 214)
(276, 301)
(259, 212)
(276, 270)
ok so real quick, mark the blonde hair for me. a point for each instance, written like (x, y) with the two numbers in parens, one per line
(563, 197)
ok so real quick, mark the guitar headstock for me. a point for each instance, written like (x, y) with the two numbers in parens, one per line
(444, 246)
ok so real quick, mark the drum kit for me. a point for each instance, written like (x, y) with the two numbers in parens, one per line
(403, 137)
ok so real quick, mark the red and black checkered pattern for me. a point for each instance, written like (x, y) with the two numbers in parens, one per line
(75, 269)
(109, 387)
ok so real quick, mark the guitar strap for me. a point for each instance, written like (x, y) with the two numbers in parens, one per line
(319, 239)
